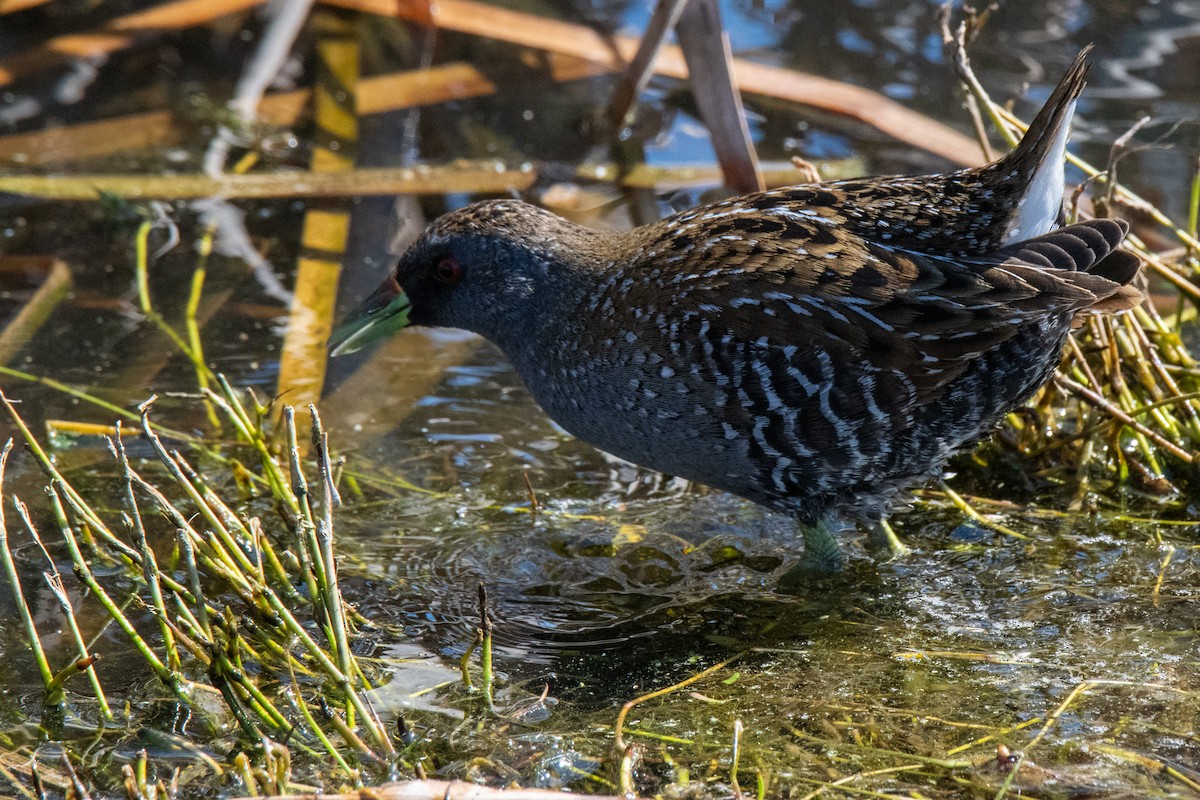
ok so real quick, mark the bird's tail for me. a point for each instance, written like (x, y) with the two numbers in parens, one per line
(1082, 264)
(1037, 161)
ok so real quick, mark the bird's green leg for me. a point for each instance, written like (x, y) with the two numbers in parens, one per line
(880, 536)
(822, 556)
(822, 553)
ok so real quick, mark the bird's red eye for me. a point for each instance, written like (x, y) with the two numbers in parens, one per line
(448, 271)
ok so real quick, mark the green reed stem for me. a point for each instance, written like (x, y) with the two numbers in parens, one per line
(330, 669)
(464, 663)
(64, 601)
(967, 509)
(141, 272)
(150, 569)
(306, 545)
(214, 554)
(260, 545)
(485, 648)
(14, 582)
(228, 665)
(18, 785)
(251, 432)
(187, 631)
(169, 677)
(54, 581)
(73, 498)
(192, 324)
(735, 758)
(1194, 208)
(349, 736)
(189, 561)
(334, 603)
(300, 705)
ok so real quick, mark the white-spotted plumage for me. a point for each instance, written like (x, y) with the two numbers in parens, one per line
(814, 348)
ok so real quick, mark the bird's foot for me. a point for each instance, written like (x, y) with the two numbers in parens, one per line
(822, 553)
(822, 557)
(881, 538)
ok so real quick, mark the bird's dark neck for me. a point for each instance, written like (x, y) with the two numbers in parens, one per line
(567, 263)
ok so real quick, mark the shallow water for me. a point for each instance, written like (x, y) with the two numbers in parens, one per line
(624, 581)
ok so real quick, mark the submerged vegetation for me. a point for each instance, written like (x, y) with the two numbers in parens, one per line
(186, 624)
(235, 618)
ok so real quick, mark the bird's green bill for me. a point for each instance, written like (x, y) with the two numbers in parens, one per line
(379, 316)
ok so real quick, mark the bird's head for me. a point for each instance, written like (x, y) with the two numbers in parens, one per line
(480, 268)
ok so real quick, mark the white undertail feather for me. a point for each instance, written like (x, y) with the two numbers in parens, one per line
(1038, 211)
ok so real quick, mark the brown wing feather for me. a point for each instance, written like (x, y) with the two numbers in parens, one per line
(893, 312)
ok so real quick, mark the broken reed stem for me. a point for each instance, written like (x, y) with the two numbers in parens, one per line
(18, 785)
(332, 597)
(80, 790)
(625, 772)
(962, 66)
(135, 778)
(139, 772)
(485, 648)
(304, 524)
(277, 763)
(1096, 399)
(73, 499)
